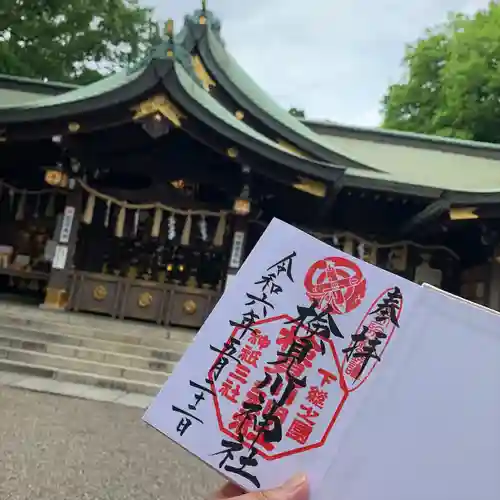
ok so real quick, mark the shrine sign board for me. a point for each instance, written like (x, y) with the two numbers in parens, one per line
(295, 371)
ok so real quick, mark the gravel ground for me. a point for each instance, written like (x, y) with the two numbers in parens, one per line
(58, 448)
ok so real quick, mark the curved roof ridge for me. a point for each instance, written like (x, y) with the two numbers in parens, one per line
(38, 82)
(197, 93)
(209, 39)
(254, 92)
(106, 84)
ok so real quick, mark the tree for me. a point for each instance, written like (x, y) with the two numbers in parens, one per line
(72, 40)
(452, 82)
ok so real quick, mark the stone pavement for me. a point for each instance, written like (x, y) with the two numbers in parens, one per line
(50, 386)
(67, 448)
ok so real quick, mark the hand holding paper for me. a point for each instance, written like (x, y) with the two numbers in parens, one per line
(294, 489)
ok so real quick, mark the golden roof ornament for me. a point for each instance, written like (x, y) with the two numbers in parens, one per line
(203, 17)
(168, 29)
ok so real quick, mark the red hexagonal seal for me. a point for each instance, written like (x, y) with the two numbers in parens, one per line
(245, 392)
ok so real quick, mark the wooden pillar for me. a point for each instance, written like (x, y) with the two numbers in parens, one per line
(237, 251)
(493, 285)
(66, 235)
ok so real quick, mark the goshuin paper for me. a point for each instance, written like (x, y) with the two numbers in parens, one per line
(309, 363)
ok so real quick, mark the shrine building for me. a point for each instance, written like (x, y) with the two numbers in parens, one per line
(139, 196)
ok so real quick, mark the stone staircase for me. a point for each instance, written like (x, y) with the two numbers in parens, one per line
(86, 349)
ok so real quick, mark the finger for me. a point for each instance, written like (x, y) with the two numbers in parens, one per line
(296, 488)
(229, 490)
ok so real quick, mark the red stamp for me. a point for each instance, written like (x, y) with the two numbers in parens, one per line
(335, 283)
(372, 337)
(285, 397)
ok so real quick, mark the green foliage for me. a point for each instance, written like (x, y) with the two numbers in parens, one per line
(452, 82)
(72, 40)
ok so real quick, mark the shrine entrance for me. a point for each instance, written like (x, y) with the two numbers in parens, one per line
(149, 260)
(28, 221)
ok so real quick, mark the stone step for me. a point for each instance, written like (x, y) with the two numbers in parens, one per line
(160, 349)
(43, 322)
(75, 377)
(28, 316)
(85, 353)
(84, 366)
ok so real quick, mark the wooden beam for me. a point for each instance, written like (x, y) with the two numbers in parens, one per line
(431, 211)
(332, 192)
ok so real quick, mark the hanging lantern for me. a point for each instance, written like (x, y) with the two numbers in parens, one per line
(242, 205)
(55, 178)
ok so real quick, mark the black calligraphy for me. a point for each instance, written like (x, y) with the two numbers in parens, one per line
(189, 415)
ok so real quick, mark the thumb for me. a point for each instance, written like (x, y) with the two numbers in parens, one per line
(296, 488)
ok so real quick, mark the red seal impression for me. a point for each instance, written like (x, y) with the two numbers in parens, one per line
(335, 283)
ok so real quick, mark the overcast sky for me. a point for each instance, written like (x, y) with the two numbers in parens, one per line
(333, 58)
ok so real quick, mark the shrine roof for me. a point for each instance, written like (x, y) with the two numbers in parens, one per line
(370, 158)
(416, 166)
(231, 124)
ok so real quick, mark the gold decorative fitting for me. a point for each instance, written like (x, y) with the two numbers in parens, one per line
(290, 148)
(55, 298)
(158, 104)
(56, 178)
(192, 282)
(463, 213)
(315, 188)
(169, 28)
(189, 307)
(239, 115)
(179, 184)
(202, 74)
(203, 20)
(73, 127)
(100, 293)
(241, 206)
(232, 153)
(170, 53)
(145, 300)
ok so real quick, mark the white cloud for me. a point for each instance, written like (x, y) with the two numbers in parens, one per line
(333, 58)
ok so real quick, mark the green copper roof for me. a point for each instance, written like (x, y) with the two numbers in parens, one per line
(420, 167)
(12, 98)
(81, 93)
(390, 163)
(397, 134)
(247, 85)
(197, 93)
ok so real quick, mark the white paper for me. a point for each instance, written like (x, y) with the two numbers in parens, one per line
(430, 428)
(60, 257)
(314, 428)
(237, 250)
(67, 222)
